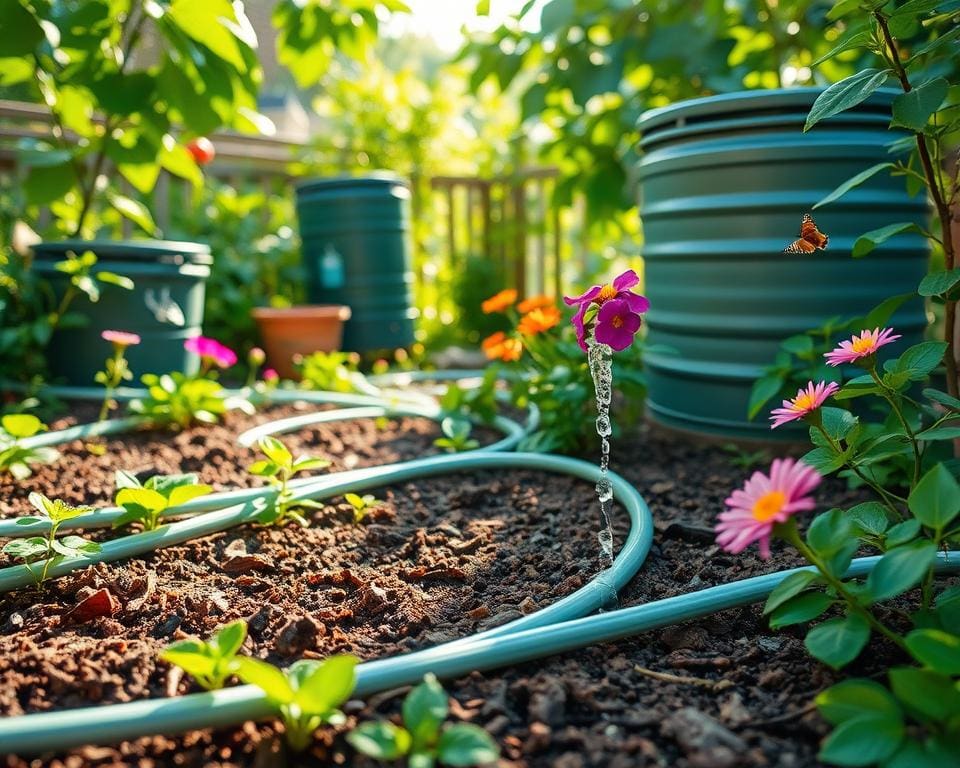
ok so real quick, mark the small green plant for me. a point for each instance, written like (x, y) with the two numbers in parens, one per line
(362, 505)
(49, 548)
(209, 662)
(14, 458)
(421, 739)
(174, 399)
(330, 371)
(145, 503)
(280, 467)
(456, 436)
(307, 695)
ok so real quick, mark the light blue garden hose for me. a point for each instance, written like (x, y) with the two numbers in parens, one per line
(563, 626)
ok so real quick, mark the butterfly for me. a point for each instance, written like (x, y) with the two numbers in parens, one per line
(810, 238)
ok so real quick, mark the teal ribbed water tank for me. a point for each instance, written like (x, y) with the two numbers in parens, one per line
(164, 308)
(724, 183)
(356, 234)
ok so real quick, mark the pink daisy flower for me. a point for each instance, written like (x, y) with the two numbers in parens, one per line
(806, 402)
(764, 501)
(600, 295)
(862, 345)
(211, 351)
(120, 339)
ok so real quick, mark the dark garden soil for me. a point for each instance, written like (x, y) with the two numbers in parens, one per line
(442, 558)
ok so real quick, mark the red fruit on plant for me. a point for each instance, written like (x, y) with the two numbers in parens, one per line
(202, 150)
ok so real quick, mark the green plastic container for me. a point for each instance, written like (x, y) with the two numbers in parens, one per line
(356, 233)
(725, 181)
(165, 306)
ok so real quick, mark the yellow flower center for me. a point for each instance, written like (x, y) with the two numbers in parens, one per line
(768, 506)
(617, 321)
(607, 293)
(804, 402)
(862, 344)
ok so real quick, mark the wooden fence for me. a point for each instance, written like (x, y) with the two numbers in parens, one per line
(508, 219)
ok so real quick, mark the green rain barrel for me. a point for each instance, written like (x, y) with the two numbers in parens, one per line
(724, 183)
(165, 306)
(355, 233)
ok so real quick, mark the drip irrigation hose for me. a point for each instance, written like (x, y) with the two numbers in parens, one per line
(47, 731)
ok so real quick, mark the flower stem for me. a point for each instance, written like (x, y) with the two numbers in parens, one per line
(886, 496)
(889, 395)
(790, 533)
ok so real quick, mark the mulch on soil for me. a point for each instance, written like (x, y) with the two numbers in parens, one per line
(443, 558)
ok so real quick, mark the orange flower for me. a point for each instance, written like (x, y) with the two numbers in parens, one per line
(539, 320)
(499, 346)
(499, 302)
(535, 302)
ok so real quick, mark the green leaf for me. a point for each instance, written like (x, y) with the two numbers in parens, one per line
(900, 569)
(143, 497)
(851, 699)
(925, 694)
(133, 210)
(921, 359)
(870, 518)
(26, 549)
(791, 586)
(203, 20)
(20, 33)
(841, 8)
(763, 389)
(862, 38)
(929, 754)
(837, 642)
(182, 494)
(824, 460)
(329, 685)
(304, 463)
(942, 432)
(424, 710)
(266, 677)
(263, 468)
(901, 533)
(276, 451)
(230, 637)
(465, 744)
(936, 499)
(939, 283)
(829, 531)
(938, 650)
(805, 607)
(913, 109)
(20, 425)
(381, 740)
(866, 740)
(867, 242)
(845, 94)
(121, 281)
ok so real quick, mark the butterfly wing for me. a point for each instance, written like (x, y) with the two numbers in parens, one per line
(812, 235)
(800, 246)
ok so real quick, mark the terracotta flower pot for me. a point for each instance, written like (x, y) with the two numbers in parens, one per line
(299, 330)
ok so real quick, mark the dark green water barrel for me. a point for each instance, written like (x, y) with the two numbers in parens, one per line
(165, 306)
(724, 183)
(356, 234)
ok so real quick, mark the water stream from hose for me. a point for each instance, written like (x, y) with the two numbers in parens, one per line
(600, 360)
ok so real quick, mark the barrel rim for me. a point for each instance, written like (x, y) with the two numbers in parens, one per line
(348, 181)
(130, 250)
(778, 98)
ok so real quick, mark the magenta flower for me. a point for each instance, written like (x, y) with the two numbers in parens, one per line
(860, 346)
(600, 295)
(211, 351)
(806, 402)
(764, 501)
(120, 339)
(616, 325)
(270, 374)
